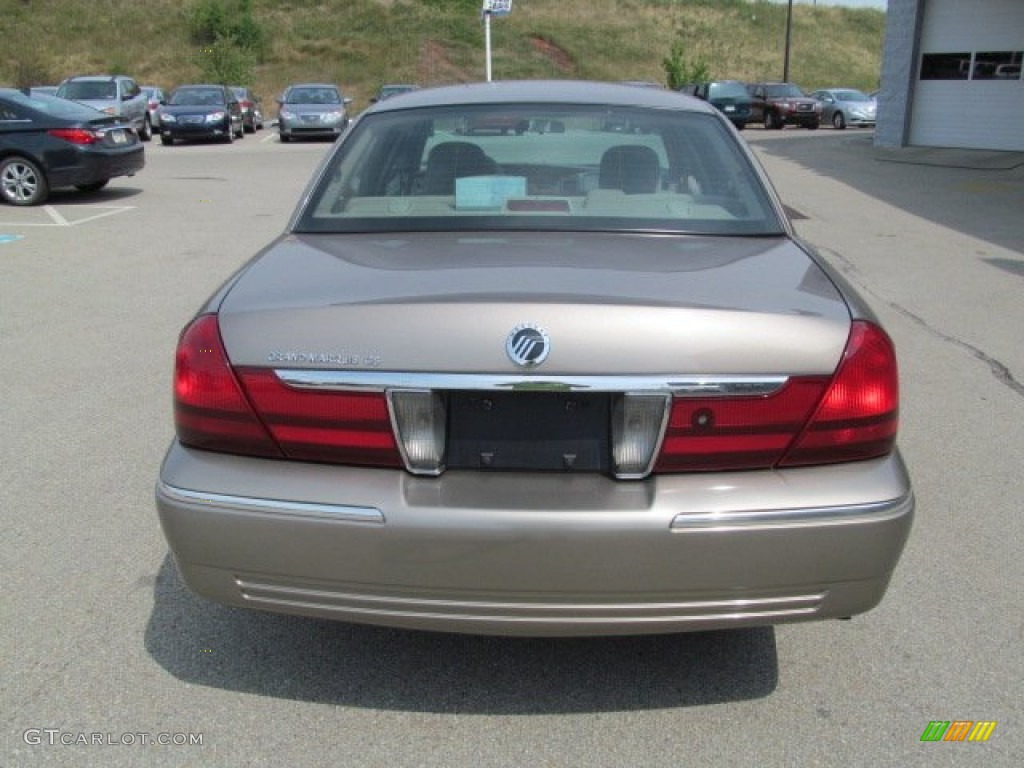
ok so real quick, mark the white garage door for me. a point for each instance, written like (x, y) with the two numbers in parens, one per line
(970, 91)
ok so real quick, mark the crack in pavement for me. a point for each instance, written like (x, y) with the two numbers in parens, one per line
(1002, 374)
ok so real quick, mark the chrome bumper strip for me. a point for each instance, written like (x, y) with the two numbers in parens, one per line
(771, 518)
(334, 512)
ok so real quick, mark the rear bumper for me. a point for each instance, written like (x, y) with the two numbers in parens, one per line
(95, 165)
(535, 555)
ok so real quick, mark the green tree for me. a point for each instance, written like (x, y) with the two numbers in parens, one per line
(679, 71)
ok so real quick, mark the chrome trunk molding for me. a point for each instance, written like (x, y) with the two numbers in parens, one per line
(727, 385)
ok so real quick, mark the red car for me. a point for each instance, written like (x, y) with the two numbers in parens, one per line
(782, 104)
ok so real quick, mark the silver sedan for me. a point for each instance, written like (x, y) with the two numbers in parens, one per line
(568, 382)
(846, 107)
(312, 110)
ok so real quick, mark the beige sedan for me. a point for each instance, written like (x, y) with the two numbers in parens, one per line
(577, 381)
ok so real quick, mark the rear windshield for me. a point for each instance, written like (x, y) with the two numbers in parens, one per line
(728, 91)
(540, 167)
(51, 105)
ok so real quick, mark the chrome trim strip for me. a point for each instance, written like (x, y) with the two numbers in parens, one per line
(285, 592)
(680, 386)
(525, 614)
(333, 512)
(770, 518)
(469, 619)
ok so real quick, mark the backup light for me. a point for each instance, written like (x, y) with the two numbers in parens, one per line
(419, 419)
(638, 423)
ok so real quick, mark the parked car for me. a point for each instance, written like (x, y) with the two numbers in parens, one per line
(393, 89)
(201, 112)
(730, 97)
(846, 106)
(780, 104)
(154, 98)
(252, 110)
(48, 142)
(115, 95)
(575, 383)
(313, 110)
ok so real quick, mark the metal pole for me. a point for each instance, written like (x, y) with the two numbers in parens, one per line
(487, 42)
(789, 28)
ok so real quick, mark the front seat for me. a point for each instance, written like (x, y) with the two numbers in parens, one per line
(451, 160)
(633, 168)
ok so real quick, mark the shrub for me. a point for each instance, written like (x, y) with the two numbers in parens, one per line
(678, 72)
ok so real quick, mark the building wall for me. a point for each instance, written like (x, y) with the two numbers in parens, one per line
(944, 111)
(899, 71)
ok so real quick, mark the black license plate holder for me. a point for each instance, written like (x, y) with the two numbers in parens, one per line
(529, 431)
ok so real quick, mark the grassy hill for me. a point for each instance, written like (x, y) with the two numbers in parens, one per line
(360, 44)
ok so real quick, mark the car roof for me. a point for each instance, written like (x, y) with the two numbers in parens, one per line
(313, 85)
(553, 91)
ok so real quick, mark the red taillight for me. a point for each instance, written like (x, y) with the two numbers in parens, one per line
(251, 412)
(75, 135)
(811, 420)
(337, 427)
(859, 415)
(737, 432)
(210, 410)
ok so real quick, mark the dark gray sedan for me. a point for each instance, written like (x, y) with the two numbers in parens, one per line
(312, 110)
(572, 382)
(48, 142)
(201, 112)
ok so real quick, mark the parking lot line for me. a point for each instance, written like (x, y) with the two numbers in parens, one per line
(55, 215)
(58, 219)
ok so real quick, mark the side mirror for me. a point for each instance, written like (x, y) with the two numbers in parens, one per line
(347, 101)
